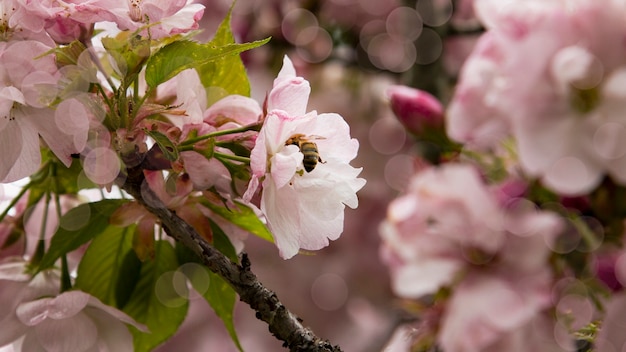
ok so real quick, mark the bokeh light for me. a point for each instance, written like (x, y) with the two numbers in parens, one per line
(435, 12)
(398, 171)
(102, 165)
(171, 289)
(429, 47)
(296, 26)
(404, 24)
(197, 275)
(387, 136)
(609, 140)
(329, 292)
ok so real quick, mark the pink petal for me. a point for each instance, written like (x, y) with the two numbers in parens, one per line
(19, 143)
(242, 110)
(117, 314)
(77, 333)
(63, 306)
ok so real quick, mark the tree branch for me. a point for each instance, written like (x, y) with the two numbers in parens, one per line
(283, 324)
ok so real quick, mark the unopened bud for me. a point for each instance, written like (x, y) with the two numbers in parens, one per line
(417, 110)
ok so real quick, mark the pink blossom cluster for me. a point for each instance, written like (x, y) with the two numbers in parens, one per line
(549, 76)
(31, 81)
(451, 232)
(35, 316)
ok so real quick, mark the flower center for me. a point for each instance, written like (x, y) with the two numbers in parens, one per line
(135, 10)
(6, 11)
(10, 115)
(584, 100)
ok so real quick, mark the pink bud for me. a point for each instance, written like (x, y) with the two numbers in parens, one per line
(417, 110)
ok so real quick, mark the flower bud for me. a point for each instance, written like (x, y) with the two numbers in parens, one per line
(417, 110)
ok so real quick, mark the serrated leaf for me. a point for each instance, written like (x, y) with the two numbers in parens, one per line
(145, 306)
(222, 243)
(167, 146)
(229, 74)
(68, 237)
(244, 217)
(220, 296)
(109, 268)
(181, 55)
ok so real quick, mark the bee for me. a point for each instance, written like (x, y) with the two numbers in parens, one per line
(308, 149)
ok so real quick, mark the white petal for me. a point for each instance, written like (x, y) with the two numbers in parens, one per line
(77, 333)
(118, 314)
(424, 277)
(19, 144)
(112, 333)
(284, 165)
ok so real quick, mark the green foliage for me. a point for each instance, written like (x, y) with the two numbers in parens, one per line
(229, 74)
(54, 177)
(222, 299)
(129, 50)
(179, 56)
(217, 62)
(77, 227)
(220, 296)
(145, 305)
(109, 268)
(244, 217)
(167, 146)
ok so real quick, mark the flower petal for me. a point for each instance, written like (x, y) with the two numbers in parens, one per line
(77, 333)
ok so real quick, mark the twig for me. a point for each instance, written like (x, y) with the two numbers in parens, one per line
(283, 324)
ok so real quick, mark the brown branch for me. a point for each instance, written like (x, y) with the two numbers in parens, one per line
(283, 324)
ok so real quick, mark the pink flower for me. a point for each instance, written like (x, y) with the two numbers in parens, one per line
(451, 231)
(417, 110)
(549, 74)
(27, 88)
(73, 321)
(167, 17)
(304, 208)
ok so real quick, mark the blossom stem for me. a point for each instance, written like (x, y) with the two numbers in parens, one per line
(66, 281)
(585, 232)
(14, 201)
(96, 61)
(252, 127)
(242, 159)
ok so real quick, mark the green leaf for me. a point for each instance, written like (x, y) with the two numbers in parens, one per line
(220, 296)
(146, 304)
(129, 50)
(217, 62)
(222, 299)
(244, 217)
(229, 74)
(181, 55)
(78, 226)
(109, 269)
(222, 243)
(167, 146)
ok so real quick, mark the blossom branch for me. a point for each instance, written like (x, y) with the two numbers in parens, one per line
(283, 324)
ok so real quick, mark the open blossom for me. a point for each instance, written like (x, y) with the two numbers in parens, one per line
(73, 321)
(166, 17)
(549, 74)
(450, 230)
(304, 208)
(26, 89)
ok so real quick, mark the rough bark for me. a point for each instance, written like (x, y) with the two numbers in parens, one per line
(283, 324)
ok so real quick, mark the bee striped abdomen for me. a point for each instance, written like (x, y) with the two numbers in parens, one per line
(311, 155)
(308, 149)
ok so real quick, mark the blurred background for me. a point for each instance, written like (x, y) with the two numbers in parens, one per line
(351, 51)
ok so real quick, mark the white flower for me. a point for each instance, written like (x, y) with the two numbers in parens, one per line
(72, 321)
(304, 209)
